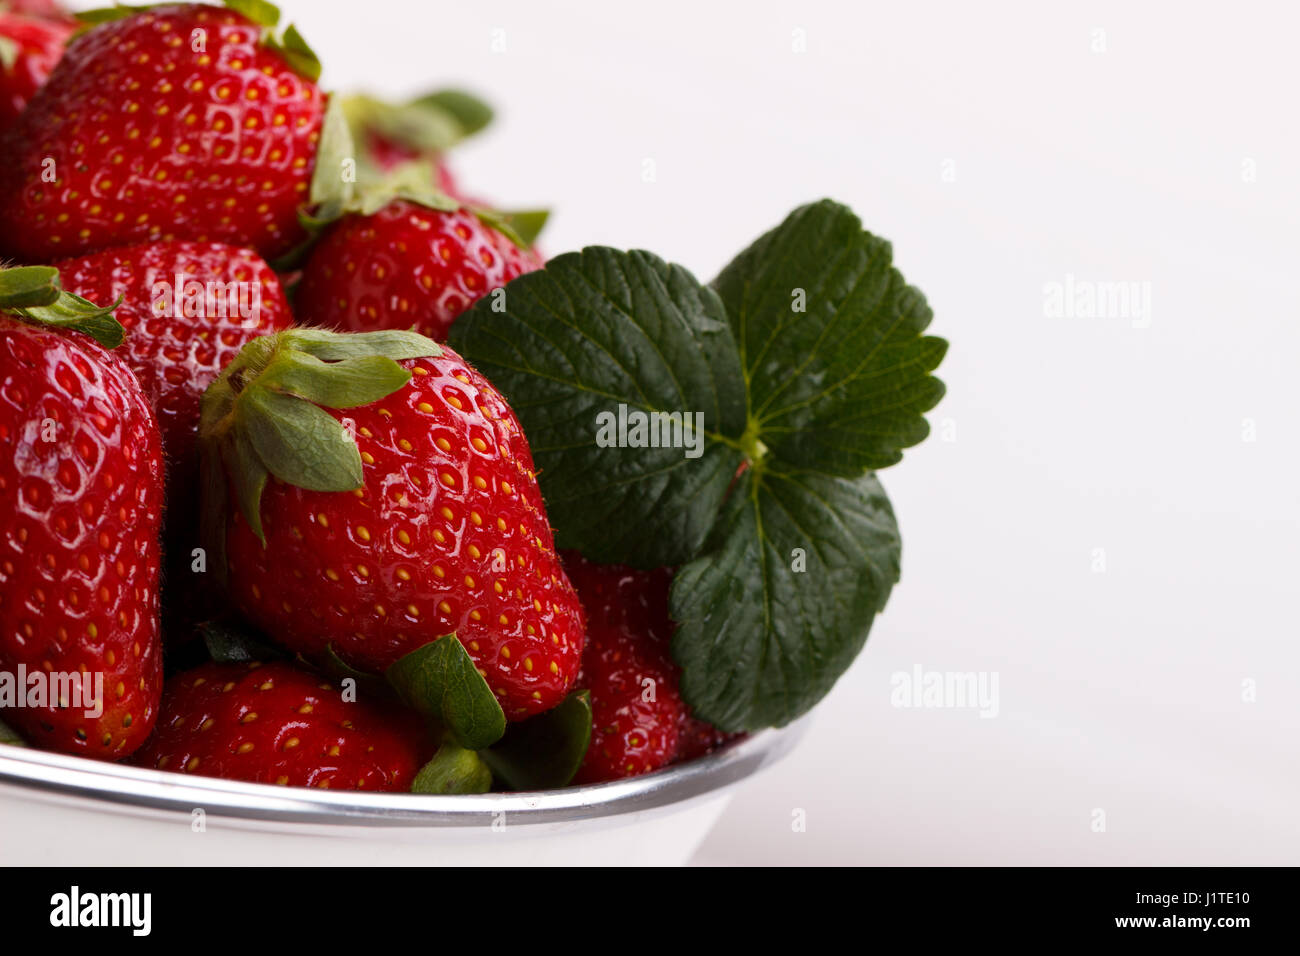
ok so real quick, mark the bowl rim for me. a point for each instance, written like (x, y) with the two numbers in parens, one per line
(69, 776)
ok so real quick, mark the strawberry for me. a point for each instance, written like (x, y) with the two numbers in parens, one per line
(639, 722)
(81, 462)
(406, 266)
(188, 308)
(29, 48)
(277, 723)
(181, 121)
(43, 9)
(429, 522)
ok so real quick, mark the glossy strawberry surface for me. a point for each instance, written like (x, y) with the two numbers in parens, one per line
(406, 267)
(280, 724)
(35, 46)
(448, 533)
(81, 475)
(188, 308)
(173, 122)
(636, 710)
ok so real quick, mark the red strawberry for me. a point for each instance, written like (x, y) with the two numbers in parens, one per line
(173, 122)
(44, 9)
(188, 308)
(276, 723)
(443, 529)
(81, 463)
(639, 722)
(29, 48)
(406, 266)
(636, 710)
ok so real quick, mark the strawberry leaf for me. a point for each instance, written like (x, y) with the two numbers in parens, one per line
(596, 335)
(229, 643)
(261, 12)
(543, 752)
(841, 385)
(440, 681)
(453, 769)
(302, 59)
(783, 597)
(470, 113)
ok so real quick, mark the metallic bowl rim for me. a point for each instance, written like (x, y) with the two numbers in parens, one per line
(68, 776)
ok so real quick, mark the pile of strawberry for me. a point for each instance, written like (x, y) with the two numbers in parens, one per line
(236, 450)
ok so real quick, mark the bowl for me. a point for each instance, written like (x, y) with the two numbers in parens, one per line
(62, 810)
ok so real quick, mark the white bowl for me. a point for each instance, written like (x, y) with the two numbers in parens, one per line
(62, 810)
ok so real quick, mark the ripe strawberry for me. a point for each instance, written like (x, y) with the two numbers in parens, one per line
(29, 48)
(177, 121)
(639, 723)
(277, 723)
(44, 9)
(188, 308)
(443, 528)
(81, 463)
(406, 266)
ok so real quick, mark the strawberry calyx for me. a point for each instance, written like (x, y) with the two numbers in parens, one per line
(35, 294)
(289, 44)
(430, 123)
(453, 769)
(265, 414)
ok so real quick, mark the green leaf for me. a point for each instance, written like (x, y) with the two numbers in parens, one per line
(261, 12)
(440, 681)
(25, 286)
(298, 442)
(302, 59)
(543, 752)
(840, 387)
(328, 180)
(759, 640)
(345, 384)
(470, 112)
(453, 769)
(106, 14)
(594, 331)
(10, 736)
(231, 643)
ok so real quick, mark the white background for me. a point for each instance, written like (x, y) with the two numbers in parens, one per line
(1162, 149)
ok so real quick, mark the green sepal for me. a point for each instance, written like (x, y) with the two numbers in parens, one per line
(328, 183)
(543, 752)
(23, 287)
(261, 12)
(118, 11)
(441, 682)
(453, 769)
(10, 736)
(471, 113)
(263, 416)
(521, 227)
(395, 344)
(249, 475)
(345, 384)
(302, 59)
(35, 294)
(298, 442)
